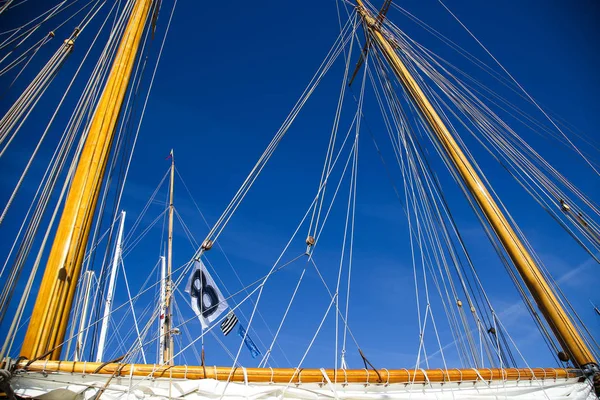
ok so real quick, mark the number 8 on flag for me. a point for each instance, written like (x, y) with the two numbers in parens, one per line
(205, 297)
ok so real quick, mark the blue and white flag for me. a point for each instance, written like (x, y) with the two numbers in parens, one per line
(229, 323)
(248, 341)
(206, 299)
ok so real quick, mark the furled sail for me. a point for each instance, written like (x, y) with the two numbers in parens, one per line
(85, 387)
(412, 385)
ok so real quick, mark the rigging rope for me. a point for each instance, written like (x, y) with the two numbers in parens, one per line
(523, 89)
(51, 176)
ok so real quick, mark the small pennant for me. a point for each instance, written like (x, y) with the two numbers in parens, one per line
(254, 352)
(229, 323)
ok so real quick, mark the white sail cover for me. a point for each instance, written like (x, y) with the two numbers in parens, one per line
(65, 386)
(205, 297)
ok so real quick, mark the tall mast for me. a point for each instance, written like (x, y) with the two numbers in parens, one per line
(562, 326)
(163, 309)
(50, 316)
(168, 342)
(110, 291)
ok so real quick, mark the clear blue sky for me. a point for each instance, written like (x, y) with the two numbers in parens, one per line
(230, 73)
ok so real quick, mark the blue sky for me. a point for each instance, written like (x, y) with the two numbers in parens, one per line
(229, 75)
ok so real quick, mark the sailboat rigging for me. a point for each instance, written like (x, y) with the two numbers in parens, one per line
(406, 87)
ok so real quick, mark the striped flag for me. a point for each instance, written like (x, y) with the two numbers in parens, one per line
(229, 323)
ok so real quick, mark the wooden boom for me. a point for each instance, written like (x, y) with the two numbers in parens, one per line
(50, 316)
(308, 375)
(560, 323)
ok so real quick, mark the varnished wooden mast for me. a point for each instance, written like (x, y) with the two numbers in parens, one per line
(168, 341)
(50, 316)
(546, 299)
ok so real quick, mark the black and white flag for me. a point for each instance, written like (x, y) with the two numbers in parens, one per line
(206, 298)
(229, 323)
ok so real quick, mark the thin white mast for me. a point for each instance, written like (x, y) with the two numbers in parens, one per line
(88, 278)
(168, 354)
(163, 308)
(111, 290)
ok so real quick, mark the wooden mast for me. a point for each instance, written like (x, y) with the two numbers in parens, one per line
(559, 321)
(168, 340)
(50, 316)
(163, 309)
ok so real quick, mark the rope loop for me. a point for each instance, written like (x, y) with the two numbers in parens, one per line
(83, 372)
(215, 369)
(131, 372)
(131, 376)
(448, 375)
(299, 376)
(461, 375)
(345, 378)
(479, 375)
(367, 371)
(443, 376)
(245, 372)
(387, 383)
(185, 373)
(532, 377)
(407, 376)
(329, 383)
(324, 378)
(272, 374)
(426, 377)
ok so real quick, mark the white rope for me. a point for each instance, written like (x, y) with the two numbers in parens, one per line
(261, 163)
(309, 345)
(222, 284)
(233, 269)
(315, 218)
(523, 89)
(135, 323)
(469, 155)
(265, 358)
(50, 177)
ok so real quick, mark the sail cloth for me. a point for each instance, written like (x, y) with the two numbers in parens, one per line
(66, 386)
(206, 299)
